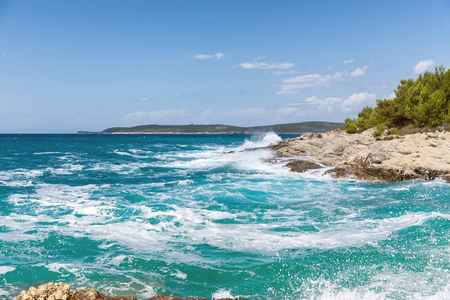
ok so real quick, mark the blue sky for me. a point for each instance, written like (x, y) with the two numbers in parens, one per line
(89, 65)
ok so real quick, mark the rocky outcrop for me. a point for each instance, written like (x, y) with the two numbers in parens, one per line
(388, 157)
(62, 291)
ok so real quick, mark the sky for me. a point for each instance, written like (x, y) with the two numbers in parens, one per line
(89, 65)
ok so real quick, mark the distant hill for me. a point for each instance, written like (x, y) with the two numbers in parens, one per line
(303, 127)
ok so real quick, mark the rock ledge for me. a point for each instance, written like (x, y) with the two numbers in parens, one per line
(388, 157)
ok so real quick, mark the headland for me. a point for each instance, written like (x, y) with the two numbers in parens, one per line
(388, 157)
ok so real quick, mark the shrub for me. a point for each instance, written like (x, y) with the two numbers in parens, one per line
(350, 126)
(380, 130)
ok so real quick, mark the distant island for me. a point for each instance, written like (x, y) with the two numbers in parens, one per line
(289, 128)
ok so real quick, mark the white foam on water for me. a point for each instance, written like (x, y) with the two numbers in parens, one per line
(16, 183)
(197, 225)
(20, 174)
(117, 151)
(58, 267)
(46, 153)
(6, 269)
(189, 223)
(185, 182)
(180, 275)
(117, 260)
(257, 142)
(141, 151)
(59, 171)
(222, 293)
(124, 169)
(144, 289)
(399, 285)
(251, 156)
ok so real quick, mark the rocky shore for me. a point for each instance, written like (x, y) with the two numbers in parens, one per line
(62, 291)
(389, 157)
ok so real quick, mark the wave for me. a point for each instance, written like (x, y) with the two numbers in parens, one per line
(251, 155)
(260, 141)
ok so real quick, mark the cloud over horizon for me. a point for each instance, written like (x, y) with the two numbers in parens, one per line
(354, 103)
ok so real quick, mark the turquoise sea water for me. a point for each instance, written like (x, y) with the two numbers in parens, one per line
(194, 215)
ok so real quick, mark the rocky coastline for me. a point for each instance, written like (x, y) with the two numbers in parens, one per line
(62, 291)
(389, 157)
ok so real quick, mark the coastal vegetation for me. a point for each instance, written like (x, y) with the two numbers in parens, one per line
(424, 102)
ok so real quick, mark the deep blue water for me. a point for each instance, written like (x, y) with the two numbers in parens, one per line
(195, 215)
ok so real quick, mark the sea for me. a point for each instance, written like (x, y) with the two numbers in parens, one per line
(211, 216)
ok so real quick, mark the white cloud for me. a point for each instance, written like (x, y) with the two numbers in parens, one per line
(328, 68)
(357, 101)
(348, 61)
(294, 85)
(143, 99)
(359, 71)
(217, 55)
(423, 65)
(337, 105)
(266, 65)
(296, 104)
(327, 104)
(285, 72)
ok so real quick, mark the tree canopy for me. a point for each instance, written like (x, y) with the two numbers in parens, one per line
(421, 102)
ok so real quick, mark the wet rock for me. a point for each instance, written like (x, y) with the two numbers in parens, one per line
(301, 166)
(431, 174)
(368, 173)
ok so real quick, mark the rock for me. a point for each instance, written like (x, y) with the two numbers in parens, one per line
(49, 291)
(301, 166)
(364, 157)
(61, 291)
